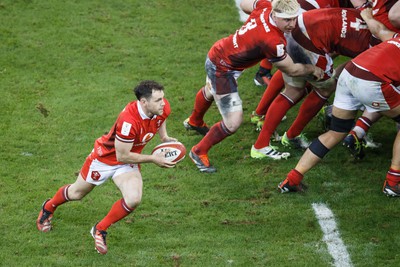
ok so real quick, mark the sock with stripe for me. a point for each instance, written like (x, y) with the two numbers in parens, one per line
(118, 211)
(393, 177)
(216, 134)
(294, 177)
(362, 126)
(60, 197)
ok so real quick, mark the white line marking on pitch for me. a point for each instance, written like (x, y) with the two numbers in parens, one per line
(336, 247)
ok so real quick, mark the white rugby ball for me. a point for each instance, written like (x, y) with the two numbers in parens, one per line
(175, 151)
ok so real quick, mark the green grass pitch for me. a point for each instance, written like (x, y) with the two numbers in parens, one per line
(67, 69)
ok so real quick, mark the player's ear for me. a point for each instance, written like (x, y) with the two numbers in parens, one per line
(143, 100)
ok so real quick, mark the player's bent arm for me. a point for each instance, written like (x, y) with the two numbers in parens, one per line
(376, 27)
(124, 154)
(247, 6)
(162, 132)
(394, 15)
(296, 69)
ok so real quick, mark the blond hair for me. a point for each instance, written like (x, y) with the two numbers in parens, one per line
(287, 8)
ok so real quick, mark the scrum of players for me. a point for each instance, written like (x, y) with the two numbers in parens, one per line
(301, 39)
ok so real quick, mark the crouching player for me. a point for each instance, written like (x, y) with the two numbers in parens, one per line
(117, 155)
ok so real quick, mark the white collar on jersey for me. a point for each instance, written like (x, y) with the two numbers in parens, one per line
(141, 112)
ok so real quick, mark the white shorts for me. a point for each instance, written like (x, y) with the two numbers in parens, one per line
(96, 172)
(222, 85)
(352, 93)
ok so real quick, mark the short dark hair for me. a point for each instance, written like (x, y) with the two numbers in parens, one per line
(145, 89)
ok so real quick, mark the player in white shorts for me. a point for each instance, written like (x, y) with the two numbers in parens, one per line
(371, 79)
(117, 155)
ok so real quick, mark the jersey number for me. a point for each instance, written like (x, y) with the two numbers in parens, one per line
(248, 26)
(358, 25)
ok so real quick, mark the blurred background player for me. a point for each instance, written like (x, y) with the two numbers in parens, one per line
(117, 155)
(262, 36)
(372, 80)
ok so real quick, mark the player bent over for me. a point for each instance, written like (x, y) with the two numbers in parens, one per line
(117, 155)
(364, 81)
(262, 36)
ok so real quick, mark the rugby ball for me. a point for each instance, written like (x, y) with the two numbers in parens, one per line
(175, 151)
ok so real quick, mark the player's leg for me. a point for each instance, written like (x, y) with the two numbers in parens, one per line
(342, 121)
(344, 110)
(279, 107)
(364, 122)
(223, 86)
(271, 92)
(391, 185)
(129, 181)
(394, 15)
(230, 108)
(308, 110)
(357, 137)
(131, 186)
(202, 103)
(314, 101)
(69, 192)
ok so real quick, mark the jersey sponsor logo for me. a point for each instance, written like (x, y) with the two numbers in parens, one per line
(95, 175)
(126, 128)
(147, 137)
(169, 154)
(280, 50)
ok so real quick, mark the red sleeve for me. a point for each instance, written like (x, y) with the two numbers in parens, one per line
(260, 4)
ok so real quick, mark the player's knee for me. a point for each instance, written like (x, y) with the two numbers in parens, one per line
(133, 200)
(318, 148)
(232, 126)
(75, 192)
(341, 125)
